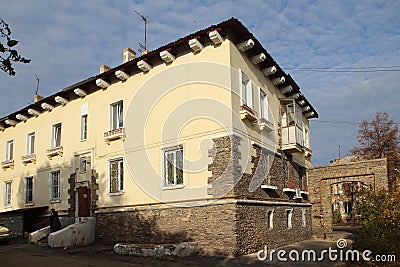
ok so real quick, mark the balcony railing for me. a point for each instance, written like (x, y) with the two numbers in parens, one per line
(28, 158)
(248, 113)
(114, 135)
(55, 151)
(7, 164)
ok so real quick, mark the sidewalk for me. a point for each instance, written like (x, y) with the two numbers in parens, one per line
(19, 253)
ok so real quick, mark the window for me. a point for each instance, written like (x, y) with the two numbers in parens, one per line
(30, 144)
(173, 166)
(84, 121)
(28, 189)
(10, 150)
(347, 207)
(289, 214)
(303, 217)
(55, 183)
(247, 91)
(7, 193)
(117, 115)
(270, 219)
(116, 175)
(82, 164)
(263, 105)
(56, 135)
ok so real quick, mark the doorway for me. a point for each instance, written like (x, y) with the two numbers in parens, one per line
(83, 201)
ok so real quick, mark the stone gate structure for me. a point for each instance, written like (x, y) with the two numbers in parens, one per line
(372, 173)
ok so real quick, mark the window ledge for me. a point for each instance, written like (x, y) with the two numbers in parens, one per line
(28, 159)
(114, 135)
(54, 151)
(288, 189)
(116, 193)
(7, 164)
(172, 187)
(7, 206)
(267, 186)
(265, 124)
(55, 201)
(247, 113)
(30, 204)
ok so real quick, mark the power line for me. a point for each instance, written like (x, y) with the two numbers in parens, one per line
(356, 69)
(348, 122)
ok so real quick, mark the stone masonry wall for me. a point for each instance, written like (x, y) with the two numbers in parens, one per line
(321, 178)
(212, 227)
(254, 233)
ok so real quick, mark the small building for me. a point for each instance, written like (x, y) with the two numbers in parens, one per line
(205, 139)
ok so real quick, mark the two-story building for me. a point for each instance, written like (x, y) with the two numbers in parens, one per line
(205, 139)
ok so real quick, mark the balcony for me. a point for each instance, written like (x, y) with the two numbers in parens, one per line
(28, 159)
(247, 113)
(114, 135)
(55, 151)
(266, 125)
(7, 164)
(292, 139)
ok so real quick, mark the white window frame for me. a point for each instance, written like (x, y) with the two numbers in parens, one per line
(303, 217)
(289, 217)
(120, 174)
(117, 115)
(270, 219)
(172, 151)
(53, 186)
(84, 127)
(28, 190)
(30, 143)
(246, 90)
(10, 150)
(56, 136)
(264, 113)
(7, 193)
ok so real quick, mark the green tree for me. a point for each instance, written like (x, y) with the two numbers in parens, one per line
(379, 217)
(8, 55)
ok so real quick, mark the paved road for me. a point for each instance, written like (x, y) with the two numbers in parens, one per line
(19, 253)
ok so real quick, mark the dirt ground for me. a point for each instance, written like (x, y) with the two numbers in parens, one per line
(19, 253)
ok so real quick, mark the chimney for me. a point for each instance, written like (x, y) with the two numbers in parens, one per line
(104, 68)
(128, 54)
(37, 98)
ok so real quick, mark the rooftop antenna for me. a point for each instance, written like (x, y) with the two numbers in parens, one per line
(145, 32)
(37, 84)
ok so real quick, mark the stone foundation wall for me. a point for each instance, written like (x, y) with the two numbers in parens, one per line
(254, 233)
(212, 227)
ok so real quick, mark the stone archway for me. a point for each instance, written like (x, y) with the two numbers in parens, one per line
(370, 172)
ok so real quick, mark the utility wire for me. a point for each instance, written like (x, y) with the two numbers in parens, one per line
(347, 122)
(356, 69)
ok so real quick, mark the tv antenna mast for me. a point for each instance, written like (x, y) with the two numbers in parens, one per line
(37, 84)
(144, 47)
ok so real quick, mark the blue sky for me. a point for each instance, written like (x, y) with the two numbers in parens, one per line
(68, 40)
